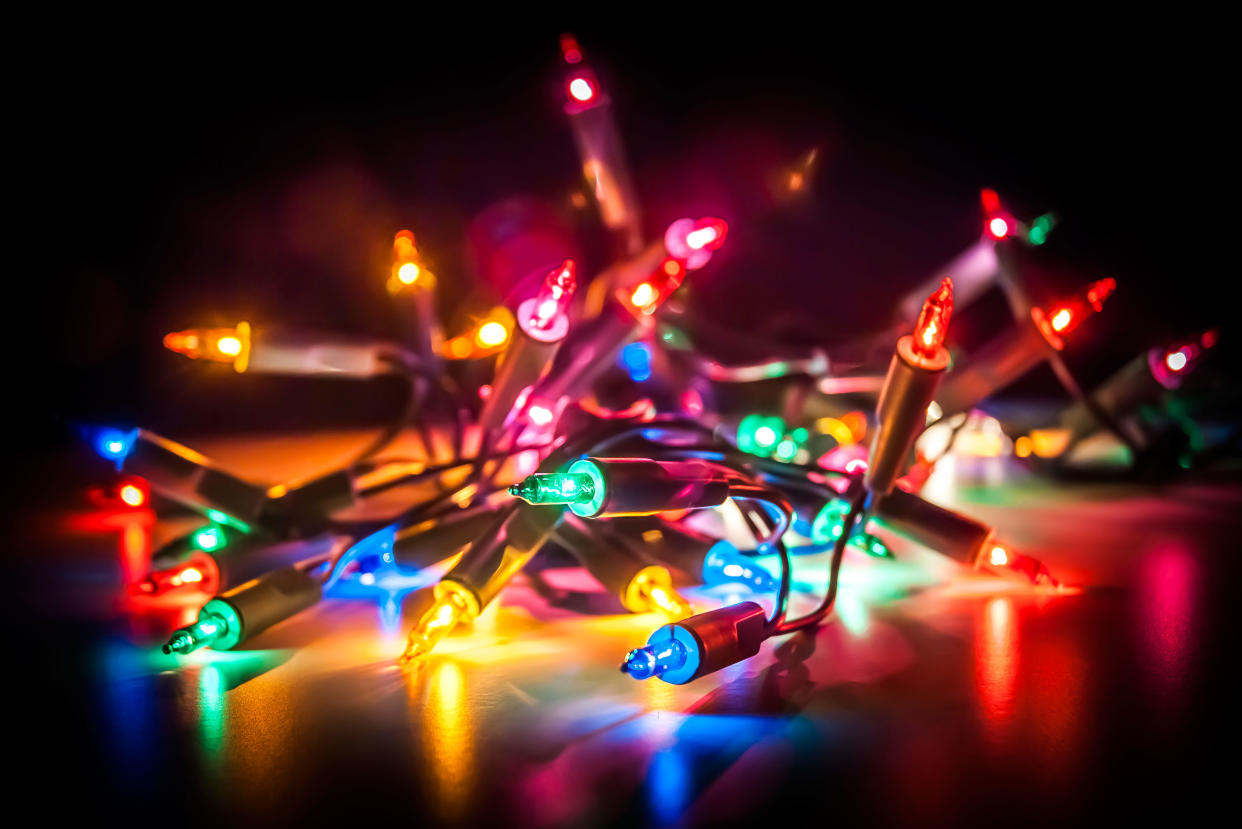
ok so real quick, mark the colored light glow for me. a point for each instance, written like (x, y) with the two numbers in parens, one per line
(998, 228)
(651, 589)
(643, 295)
(581, 90)
(132, 495)
(724, 564)
(1022, 447)
(407, 274)
(990, 201)
(1049, 443)
(221, 345)
(570, 50)
(190, 575)
(491, 334)
(635, 358)
(449, 739)
(229, 346)
(555, 488)
(209, 538)
(933, 322)
(646, 296)
(199, 571)
(1040, 228)
(552, 301)
(759, 434)
(829, 522)
(837, 429)
(652, 660)
(115, 445)
(786, 450)
(407, 266)
(856, 466)
(699, 239)
(999, 557)
(996, 667)
(1065, 317)
(692, 242)
(539, 415)
(1177, 360)
(209, 630)
(453, 605)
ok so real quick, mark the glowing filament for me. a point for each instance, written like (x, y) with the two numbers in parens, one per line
(450, 608)
(132, 495)
(651, 589)
(552, 301)
(581, 89)
(491, 334)
(933, 321)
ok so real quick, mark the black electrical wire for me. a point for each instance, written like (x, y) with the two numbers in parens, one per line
(834, 569)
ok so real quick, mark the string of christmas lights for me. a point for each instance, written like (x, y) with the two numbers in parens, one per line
(542, 460)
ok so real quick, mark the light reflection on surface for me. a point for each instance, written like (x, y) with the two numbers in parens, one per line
(449, 737)
(1166, 601)
(996, 668)
(135, 549)
(212, 709)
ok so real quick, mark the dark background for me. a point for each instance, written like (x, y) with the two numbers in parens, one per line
(247, 172)
(203, 171)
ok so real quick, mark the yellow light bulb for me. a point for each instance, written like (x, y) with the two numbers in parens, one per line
(407, 274)
(491, 334)
(643, 295)
(229, 346)
(651, 589)
(453, 605)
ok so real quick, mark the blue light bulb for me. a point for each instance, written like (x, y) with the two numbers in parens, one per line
(655, 660)
(725, 565)
(635, 358)
(115, 444)
(372, 553)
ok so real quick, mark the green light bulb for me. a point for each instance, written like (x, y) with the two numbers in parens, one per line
(828, 523)
(870, 545)
(1040, 228)
(786, 450)
(555, 488)
(208, 629)
(759, 434)
(209, 538)
(218, 627)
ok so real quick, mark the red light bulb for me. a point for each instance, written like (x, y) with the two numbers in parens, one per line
(199, 572)
(1064, 318)
(933, 322)
(691, 242)
(570, 49)
(990, 201)
(552, 301)
(647, 296)
(581, 89)
(132, 495)
(997, 223)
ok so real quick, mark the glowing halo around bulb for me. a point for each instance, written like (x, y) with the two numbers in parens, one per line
(492, 334)
(581, 90)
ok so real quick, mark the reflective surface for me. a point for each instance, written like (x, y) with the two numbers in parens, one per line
(932, 696)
